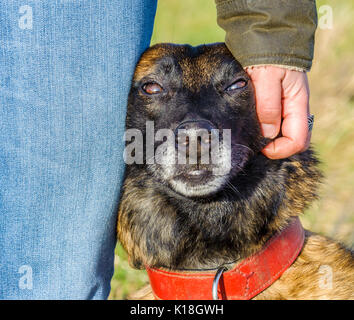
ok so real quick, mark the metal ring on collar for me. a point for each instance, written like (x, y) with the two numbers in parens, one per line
(216, 282)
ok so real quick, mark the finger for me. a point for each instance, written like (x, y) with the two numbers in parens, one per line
(295, 134)
(267, 84)
(286, 146)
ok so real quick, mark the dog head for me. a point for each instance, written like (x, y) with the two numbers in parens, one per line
(192, 213)
(195, 107)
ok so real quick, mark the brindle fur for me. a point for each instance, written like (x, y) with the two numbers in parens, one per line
(162, 228)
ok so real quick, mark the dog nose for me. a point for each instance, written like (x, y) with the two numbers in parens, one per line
(195, 125)
(199, 129)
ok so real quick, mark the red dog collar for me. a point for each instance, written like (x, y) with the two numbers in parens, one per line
(247, 279)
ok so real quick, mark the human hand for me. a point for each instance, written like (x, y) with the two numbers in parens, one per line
(282, 103)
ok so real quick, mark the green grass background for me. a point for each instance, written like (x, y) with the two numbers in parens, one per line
(332, 102)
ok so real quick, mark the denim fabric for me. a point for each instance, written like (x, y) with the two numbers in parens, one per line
(65, 71)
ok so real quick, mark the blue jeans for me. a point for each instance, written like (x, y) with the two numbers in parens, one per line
(65, 72)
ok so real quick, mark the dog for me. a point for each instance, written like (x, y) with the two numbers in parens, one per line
(194, 225)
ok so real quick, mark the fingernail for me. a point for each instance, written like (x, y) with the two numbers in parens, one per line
(269, 130)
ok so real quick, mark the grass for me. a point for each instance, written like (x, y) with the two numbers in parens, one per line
(332, 102)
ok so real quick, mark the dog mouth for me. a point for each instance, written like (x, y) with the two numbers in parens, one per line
(198, 183)
(208, 180)
(195, 177)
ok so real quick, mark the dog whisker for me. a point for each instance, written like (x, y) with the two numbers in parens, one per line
(240, 168)
(244, 146)
(233, 188)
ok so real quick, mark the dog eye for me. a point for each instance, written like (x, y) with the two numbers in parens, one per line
(238, 84)
(152, 88)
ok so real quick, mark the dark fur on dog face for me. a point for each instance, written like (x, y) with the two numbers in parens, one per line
(201, 85)
(182, 216)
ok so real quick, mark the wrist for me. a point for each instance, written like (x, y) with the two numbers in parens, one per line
(291, 68)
